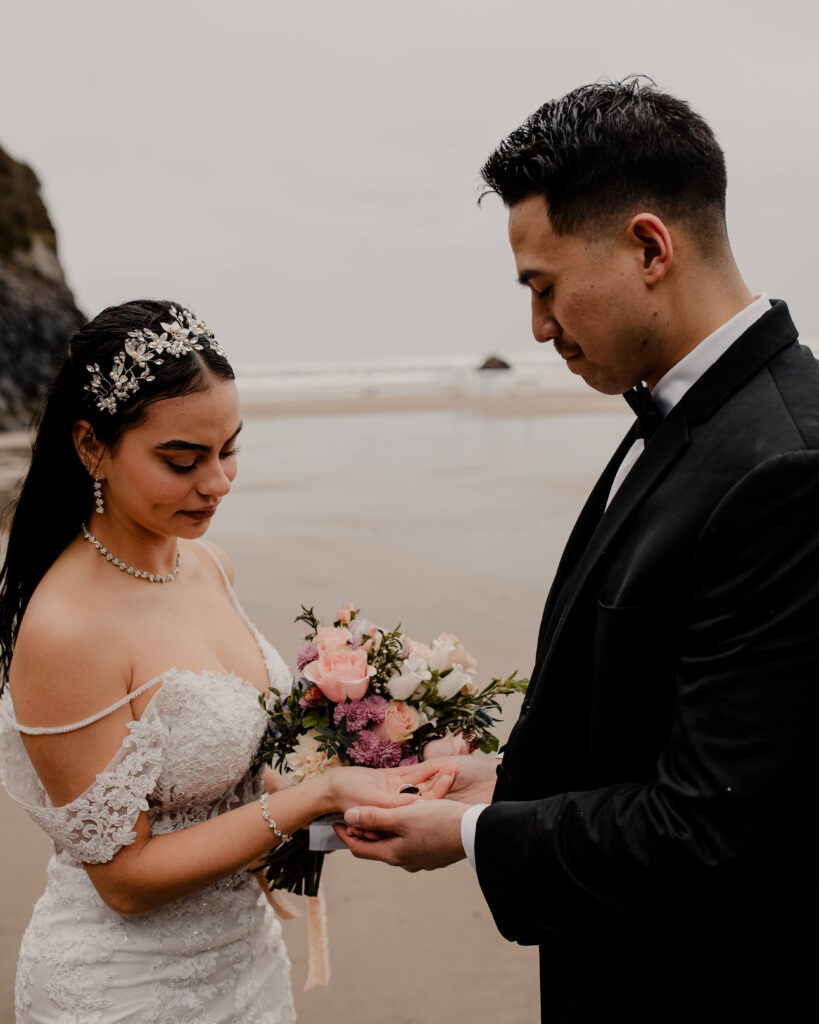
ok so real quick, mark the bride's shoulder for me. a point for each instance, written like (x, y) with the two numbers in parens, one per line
(67, 601)
(68, 658)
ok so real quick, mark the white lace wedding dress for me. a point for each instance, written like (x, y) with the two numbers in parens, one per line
(214, 956)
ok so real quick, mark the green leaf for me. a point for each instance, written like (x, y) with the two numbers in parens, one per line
(308, 617)
(489, 744)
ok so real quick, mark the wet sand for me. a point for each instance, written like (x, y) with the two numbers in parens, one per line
(443, 518)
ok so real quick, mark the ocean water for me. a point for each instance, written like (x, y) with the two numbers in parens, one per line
(442, 520)
(535, 369)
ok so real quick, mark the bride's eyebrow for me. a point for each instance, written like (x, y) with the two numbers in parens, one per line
(178, 445)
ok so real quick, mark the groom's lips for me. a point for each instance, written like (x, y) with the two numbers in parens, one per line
(567, 352)
(199, 514)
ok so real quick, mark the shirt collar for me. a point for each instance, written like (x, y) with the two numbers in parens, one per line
(670, 388)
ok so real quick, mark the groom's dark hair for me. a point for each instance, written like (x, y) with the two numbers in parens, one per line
(607, 150)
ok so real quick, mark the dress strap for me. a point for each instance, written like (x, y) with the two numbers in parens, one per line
(218, 562)
(269, 655)
(234, 600)
(54, 730)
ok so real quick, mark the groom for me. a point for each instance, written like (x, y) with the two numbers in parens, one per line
(653, 822)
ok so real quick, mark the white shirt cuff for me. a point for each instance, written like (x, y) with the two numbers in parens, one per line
(469, 825)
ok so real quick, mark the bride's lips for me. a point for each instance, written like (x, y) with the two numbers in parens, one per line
(199, 514)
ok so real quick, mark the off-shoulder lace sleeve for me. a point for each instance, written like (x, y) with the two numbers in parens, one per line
(99, 822)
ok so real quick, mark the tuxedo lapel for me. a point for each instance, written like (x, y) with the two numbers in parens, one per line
(581, 534)
(660, 454)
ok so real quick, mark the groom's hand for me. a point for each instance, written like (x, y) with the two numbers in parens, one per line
(419, 837)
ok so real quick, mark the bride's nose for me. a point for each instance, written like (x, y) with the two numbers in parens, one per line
(215, 482)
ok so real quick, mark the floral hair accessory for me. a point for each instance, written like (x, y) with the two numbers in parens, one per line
(184, 334)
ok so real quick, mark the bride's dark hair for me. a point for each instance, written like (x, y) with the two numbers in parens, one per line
(56, 495)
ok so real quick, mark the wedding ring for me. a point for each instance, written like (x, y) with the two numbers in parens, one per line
(409, 789)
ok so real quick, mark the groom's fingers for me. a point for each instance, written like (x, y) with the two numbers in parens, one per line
(359, 833)
(426, 835)
(381, 848)
(374, 819)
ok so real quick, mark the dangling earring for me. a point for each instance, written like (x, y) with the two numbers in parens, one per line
(98, 495)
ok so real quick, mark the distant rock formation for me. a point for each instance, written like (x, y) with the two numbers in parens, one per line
(495, 363)
(37, 309)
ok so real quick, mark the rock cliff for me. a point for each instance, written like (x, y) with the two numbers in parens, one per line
(37, 309)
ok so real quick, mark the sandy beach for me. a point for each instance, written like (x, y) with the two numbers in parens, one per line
(447, 514)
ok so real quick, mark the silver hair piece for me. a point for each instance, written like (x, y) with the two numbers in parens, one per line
(143, 348)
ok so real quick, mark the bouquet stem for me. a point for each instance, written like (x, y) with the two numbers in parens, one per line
(294, 866)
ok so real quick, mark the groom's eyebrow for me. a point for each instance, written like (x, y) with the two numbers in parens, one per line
(178, 445)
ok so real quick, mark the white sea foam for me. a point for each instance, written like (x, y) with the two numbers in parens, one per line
(539, 369)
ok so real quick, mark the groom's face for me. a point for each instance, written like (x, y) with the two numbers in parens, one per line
(588, 298)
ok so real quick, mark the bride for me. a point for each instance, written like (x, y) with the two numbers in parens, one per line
(131, 713)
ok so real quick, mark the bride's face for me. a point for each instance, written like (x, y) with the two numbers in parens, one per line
(168, 473)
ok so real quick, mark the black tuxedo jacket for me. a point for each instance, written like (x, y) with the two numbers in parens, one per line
(654, 825)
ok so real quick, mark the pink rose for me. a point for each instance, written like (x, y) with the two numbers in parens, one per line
(340, 673)
(400, 722)
(330, 637)
(449, 745)
(345, 614)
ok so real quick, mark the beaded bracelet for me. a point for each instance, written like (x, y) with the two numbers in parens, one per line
(284, 837)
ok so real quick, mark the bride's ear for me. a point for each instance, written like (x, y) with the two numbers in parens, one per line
(89, 449)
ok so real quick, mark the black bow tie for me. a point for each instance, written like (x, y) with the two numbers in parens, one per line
(647, 413)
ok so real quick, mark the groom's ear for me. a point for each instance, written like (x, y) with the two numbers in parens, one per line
(650, 237)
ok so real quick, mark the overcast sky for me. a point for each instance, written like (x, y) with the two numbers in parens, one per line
(304, 174)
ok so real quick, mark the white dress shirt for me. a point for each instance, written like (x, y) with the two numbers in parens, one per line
(666, 393)
(670, 388)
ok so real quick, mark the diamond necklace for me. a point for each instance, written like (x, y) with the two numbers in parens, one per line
(151, 577)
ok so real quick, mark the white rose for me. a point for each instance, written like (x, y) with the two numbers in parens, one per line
(441, 650)
(306, 761)
(454, 682)
(412, 673)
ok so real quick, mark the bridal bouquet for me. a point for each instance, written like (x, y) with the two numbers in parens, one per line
(372, 697)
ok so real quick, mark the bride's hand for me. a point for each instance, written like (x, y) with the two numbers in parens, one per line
(353, 787)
